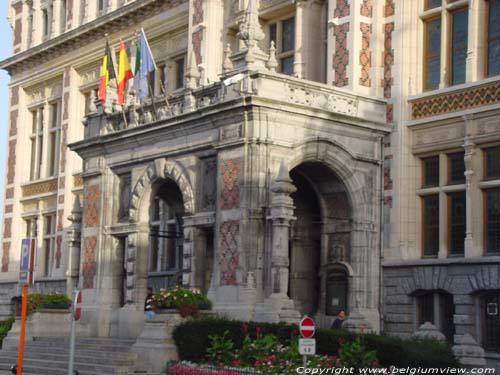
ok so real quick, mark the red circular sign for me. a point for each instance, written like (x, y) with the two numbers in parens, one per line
(307, 327)
(77, 305)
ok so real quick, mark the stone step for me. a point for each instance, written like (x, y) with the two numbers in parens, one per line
(81, 346)
(79, 358)
(93, 356)
(78, 352)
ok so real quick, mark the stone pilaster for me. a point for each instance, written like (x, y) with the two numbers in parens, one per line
(469, 172)
(74, 244)
(281, 216)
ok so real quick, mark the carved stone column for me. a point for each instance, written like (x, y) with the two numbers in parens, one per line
(300, 19)
(74, 246)
(282, 209)
(469, 152)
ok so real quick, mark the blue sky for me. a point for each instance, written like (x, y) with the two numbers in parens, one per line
(5, 51)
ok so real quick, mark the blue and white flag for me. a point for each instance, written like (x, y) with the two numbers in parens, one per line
(144, 65)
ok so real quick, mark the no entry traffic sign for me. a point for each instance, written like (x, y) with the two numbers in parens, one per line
(307, 327)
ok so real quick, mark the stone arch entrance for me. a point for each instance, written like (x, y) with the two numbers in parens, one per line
(168, 180)
(320, 240)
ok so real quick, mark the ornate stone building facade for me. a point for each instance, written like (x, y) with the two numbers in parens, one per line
(311, 156)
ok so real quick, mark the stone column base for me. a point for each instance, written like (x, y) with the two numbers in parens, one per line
(155, 345)
(277, 308)
(469, 352)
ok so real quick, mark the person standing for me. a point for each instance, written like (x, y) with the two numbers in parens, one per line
(337, 323)
(148, 304)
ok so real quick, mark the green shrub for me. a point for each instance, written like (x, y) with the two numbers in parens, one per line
(37, 301)
(192, 340)
(5, 326)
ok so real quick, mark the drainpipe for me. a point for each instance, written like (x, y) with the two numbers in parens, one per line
(381, 235)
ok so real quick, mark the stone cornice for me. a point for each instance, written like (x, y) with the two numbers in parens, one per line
(112, 22)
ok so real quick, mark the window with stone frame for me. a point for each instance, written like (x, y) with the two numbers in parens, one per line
(490, 320)
(31, 227)
(64, 15)
(456, 168)
(30, 26)
(456, 223)
(430, 176)
(436, 307)
(54, 138)
(49, 239)
(83, 11)
(36, 140)
(430, 227)
(492, 163)
(125, 195)
(102, 5)
(282, 33)
(492, 221)
(45, 23)
(493, 38)
(446, 196)
(166, 237)
(180, 71)
(436, 14)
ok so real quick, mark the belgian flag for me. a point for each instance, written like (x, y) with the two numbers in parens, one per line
(107, 73)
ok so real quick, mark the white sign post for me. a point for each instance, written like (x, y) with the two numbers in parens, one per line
(307, 345)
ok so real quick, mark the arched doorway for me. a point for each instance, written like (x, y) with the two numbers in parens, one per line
(320, 238)
(166, 235)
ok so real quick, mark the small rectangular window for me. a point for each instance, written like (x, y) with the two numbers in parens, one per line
(425, 305)
(288, 35)
(431, 4)
(432, 60)
(459, 46)
(494, 38)
(431, 225)
(431, 171)
(456, 222)
(492, 161)
(45, 21)
(179, 73)
(492, 226)
(456, 168)
(287, 65)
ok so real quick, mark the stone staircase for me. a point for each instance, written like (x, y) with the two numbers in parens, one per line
(93, 356)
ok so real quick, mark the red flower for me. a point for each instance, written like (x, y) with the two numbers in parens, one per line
(221, 364)
(236, 363)
(257, 331)
(245, 327)
(294, 332)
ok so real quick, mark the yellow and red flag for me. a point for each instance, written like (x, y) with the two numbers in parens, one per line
(124, 74)
(107, 73)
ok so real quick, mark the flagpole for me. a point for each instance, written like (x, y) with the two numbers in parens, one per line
(151, 93)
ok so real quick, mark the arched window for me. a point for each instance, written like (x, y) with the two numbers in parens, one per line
(490, 317)
(165, 235)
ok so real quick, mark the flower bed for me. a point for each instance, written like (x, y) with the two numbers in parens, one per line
(188, 302)
(39, 301)
(187, 368)
(193, 338)
(265, 353)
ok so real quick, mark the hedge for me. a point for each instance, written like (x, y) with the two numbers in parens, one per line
(5, 326)
(192, 340)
